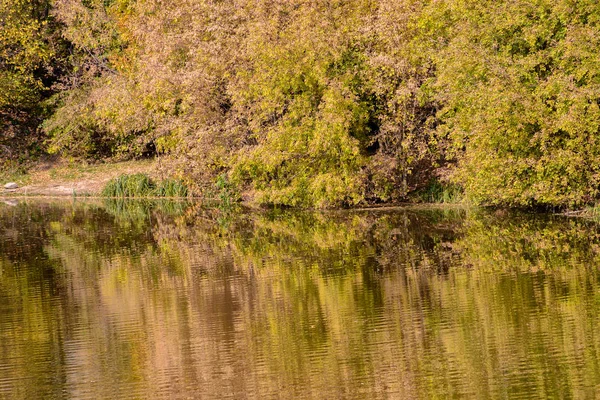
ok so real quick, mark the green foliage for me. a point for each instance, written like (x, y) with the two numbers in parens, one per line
(140, 185)
(519, 81)
(12, 171)
(171, 188)
(101, 113)
(22, 52)
(136, 185)
(307, 111)
(96, 122)
(27, 47)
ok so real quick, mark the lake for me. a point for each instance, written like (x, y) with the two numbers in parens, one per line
(134, 299)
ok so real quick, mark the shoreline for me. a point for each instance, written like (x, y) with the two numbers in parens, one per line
(61, 180)
(16, 194)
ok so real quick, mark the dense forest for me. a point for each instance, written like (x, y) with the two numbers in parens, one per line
(314, 103)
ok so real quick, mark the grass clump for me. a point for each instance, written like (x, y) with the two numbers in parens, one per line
(171, 188)
(136, 185)
(141, 185)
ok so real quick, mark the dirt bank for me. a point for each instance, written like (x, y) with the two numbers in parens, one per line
(62, 178)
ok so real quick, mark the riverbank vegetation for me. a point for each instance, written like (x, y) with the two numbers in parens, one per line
(141, 185)
(314, 104)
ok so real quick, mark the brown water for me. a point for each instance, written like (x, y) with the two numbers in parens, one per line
(162, 300)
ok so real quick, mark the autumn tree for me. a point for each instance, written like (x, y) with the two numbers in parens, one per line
(25, 52)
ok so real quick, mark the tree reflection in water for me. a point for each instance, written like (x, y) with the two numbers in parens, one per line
(151, 300)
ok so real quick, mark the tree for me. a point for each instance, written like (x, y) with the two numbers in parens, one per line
(24, 55)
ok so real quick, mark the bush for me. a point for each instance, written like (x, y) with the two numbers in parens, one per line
(519, 81)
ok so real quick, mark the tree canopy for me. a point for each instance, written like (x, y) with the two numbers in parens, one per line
(320, 103)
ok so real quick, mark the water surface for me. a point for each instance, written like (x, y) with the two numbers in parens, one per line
(166, 300)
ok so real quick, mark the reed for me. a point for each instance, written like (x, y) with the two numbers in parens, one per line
(141, 185)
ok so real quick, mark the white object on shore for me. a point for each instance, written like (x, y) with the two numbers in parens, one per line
(11, 185)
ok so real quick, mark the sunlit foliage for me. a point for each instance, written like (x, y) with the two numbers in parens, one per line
(329, 103)
(520, 81)
(25, 50)
(328, 117)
